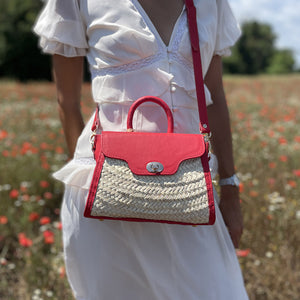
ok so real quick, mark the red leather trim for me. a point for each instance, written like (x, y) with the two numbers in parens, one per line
(93, 187)
(145, 220)
(210, 191)
(138, 149)
(97, 146)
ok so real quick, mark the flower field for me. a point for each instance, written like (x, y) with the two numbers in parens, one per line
(266, 135)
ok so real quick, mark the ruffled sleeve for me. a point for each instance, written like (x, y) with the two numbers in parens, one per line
(228, 30)
(61, 28)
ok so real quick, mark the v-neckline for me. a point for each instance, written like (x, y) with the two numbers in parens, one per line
(153, 28)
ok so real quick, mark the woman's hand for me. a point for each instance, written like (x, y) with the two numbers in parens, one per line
(231, 212)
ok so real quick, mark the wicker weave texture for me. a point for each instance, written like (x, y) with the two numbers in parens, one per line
(181, 197)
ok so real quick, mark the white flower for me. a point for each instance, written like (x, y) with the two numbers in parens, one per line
(275, 198)
(49, 294)
(257, 263)
(5, 187)
(26, 184)
(44, 227)
(18, 203)
(269, 254)
(41, 202)
(11, 266)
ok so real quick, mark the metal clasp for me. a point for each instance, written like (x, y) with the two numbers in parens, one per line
(154, 167)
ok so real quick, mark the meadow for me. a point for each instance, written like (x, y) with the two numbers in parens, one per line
(266, 136)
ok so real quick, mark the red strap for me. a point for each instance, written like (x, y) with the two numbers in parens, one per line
(194, 37)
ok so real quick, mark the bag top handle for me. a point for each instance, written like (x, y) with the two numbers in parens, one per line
(156, 100)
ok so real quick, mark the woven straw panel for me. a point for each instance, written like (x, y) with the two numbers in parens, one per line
(181, 197)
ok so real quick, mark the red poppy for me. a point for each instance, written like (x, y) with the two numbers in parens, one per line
(253, 193)
(272, 165)
(5, 153)
(33, 216)
(24, 240)
(271, 181)
(58, 225)
(62, 272)
(3, 220)
(243, 253)
(44, 146)
(44, 220)
(23, 189)
(283, 158)
(59, 150)
(241, 187)
(45, 166)
(44, 183)
(297, 172)
(292, 183)
(26, 147)
(48, 195)
(282, 141)
(25, 197)
(3, 134)
(14, 194)
(48, 237)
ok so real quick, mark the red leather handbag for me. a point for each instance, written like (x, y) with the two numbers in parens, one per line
(141, 181)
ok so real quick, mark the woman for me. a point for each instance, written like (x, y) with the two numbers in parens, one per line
(136, 48)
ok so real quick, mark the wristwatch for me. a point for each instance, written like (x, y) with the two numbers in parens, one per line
(233, 180)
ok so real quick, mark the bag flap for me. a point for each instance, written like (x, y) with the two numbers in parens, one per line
(139, 149)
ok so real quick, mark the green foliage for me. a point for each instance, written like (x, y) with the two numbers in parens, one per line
(282, 62)
(19, 55)
(255, 52)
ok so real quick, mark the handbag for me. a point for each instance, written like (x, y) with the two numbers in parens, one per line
(155, 177)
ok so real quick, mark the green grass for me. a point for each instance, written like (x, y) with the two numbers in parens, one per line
(266, 135)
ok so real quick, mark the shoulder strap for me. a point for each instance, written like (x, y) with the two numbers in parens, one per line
(194, 37)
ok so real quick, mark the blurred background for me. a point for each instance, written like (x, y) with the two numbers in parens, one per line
(269, 45)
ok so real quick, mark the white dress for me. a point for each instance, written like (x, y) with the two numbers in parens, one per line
(115, 260)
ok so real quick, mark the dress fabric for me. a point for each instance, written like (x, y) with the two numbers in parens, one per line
(128, 59)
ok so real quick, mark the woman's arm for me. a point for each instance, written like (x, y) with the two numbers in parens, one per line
(222, 145)
(68, 74)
